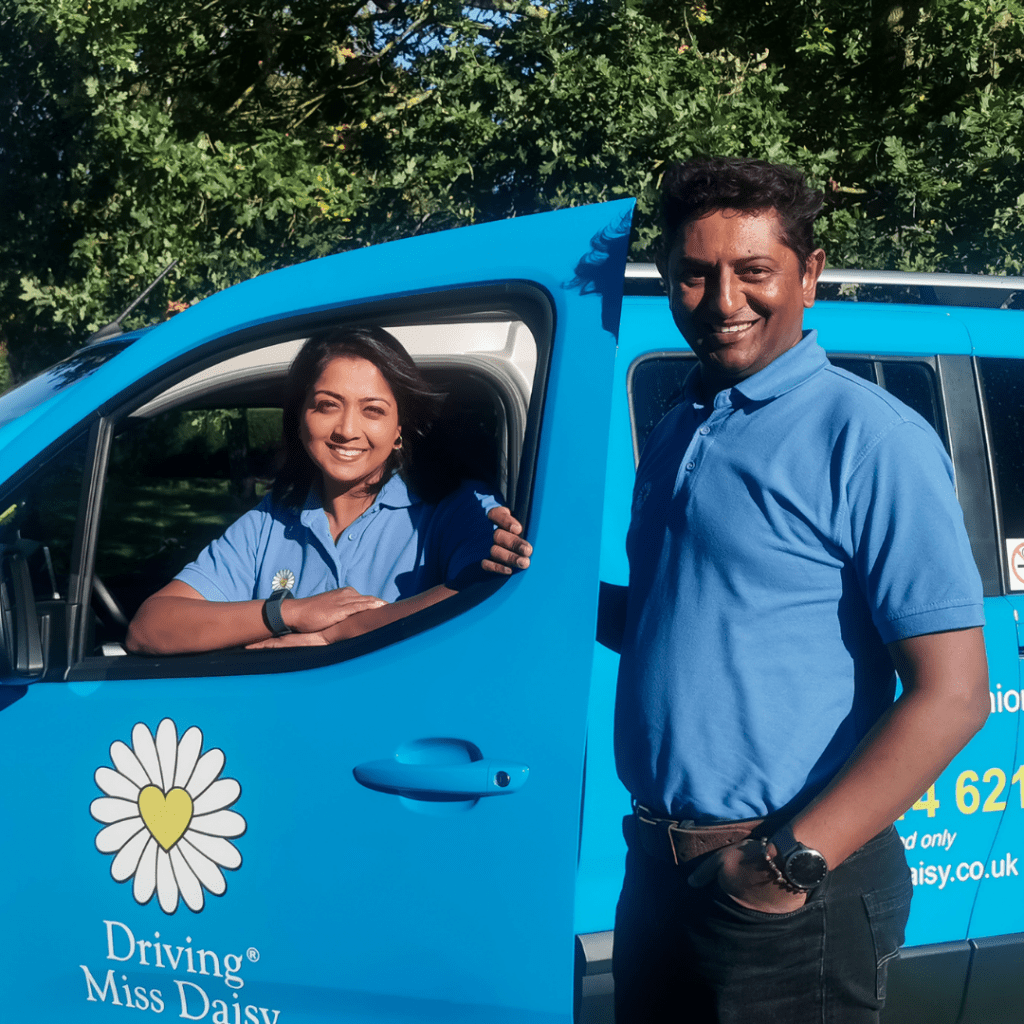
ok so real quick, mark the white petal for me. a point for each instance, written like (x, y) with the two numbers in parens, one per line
(166, 886)
(145, 751)
(113, 837)
(220, 851)
(188, 885)
(115, 784)
(127, 764)
(188, 753)
(207, 769)
(220, 823)
(166, 752)
(206, 871)
(221, 794)
(125, 863)
(108, 809)
(145, 874)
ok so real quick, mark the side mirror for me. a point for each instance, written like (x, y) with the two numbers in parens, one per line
(19, 623)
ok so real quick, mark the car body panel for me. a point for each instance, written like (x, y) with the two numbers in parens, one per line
(351, 903)
(962, 852)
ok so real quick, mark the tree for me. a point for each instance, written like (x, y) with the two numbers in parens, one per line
(239, 138)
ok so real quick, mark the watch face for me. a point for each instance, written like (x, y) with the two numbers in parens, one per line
(806, 868)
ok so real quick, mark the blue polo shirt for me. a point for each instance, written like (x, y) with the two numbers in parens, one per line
(781, 535)
(398, 547)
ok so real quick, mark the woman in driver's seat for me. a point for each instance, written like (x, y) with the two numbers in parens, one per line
(341, 545)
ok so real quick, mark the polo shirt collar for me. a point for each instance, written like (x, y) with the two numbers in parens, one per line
(790, 370)
(786, 372)
(394, 494)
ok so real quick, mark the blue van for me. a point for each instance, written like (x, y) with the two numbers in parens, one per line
(422, 823)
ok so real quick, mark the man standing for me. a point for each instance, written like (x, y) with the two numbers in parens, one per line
(795, 536)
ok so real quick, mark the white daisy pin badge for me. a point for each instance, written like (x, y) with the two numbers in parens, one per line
(166, 816)
(284, 579)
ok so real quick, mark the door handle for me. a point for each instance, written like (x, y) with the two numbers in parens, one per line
(473, 779)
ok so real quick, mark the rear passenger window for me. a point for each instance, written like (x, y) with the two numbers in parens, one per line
(909, 380)
(1002, 386)
(655, 385)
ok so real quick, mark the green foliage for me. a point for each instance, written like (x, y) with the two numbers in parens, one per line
(239, 138)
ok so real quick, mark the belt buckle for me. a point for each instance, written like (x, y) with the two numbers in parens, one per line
(683, 825)
(669, 825)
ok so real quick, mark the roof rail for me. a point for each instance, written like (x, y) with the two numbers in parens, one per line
(882, 285)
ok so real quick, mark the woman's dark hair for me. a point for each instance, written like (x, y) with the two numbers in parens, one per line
(698, 186)
(418, 403)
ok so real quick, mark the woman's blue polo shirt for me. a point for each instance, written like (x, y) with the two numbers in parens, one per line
(398, 547)
(781, 536)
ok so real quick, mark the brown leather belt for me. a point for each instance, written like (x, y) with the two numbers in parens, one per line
(677, 842)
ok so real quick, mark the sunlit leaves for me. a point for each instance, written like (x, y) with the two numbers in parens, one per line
(239, 137)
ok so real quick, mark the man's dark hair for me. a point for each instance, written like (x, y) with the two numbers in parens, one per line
(698, 186)
(417, 402)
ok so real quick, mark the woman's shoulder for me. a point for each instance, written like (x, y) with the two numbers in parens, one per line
(471, 497)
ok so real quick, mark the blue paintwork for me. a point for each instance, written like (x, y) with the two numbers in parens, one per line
(361, 907)
(942, 911)
(376, 883)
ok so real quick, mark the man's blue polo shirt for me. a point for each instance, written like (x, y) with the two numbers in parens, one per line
(398, 547)
(780, 537)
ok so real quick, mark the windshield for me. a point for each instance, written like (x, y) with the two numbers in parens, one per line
(27, 396)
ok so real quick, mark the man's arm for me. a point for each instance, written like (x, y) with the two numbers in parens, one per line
(944, 703)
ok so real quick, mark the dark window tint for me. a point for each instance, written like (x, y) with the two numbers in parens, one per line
(38, 520)
(1002, 382)
(655, 386)
(175, 482)
(914, 385)
(864, 368)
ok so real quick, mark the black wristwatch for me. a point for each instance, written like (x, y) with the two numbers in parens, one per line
(272, 612)
(802, 867)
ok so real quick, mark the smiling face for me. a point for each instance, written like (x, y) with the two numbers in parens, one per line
(738, 292)
(349, 424)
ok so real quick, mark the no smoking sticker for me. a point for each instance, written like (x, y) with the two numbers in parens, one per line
(1015, 556)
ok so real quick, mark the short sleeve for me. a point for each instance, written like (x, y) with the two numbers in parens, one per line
(226, 568)
(462, 534)
(910, 547)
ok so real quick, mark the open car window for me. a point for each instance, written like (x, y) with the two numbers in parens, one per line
(187, 460)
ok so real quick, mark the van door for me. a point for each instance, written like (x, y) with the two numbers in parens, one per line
(997, 774)
(386, 829)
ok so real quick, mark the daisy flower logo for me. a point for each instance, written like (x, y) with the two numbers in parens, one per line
(166, 816)
(284, 579)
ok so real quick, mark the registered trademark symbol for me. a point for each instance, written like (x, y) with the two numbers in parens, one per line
(252, 953)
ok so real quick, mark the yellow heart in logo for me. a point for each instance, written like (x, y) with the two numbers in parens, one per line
(166, 817)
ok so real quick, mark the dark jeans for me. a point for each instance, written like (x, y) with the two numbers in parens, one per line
(695, 955)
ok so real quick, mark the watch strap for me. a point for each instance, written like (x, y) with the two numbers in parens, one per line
(792, 857)
(784, 841)
(272, 617)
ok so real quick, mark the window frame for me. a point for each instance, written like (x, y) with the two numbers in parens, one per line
(962, 415)
(517, 300)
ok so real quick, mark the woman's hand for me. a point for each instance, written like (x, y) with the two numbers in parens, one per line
(312, 615)
(744, 877)
(510, 550)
